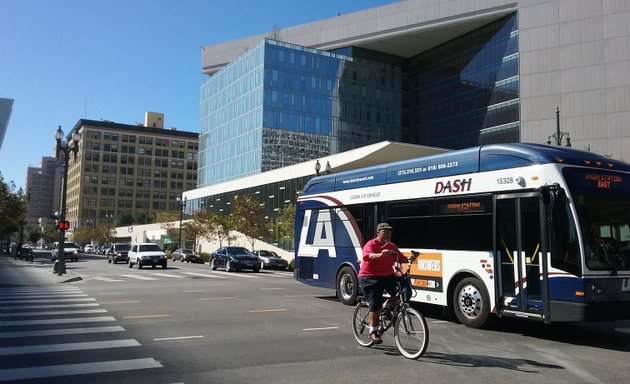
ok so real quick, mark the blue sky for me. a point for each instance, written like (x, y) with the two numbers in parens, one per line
(64, 60)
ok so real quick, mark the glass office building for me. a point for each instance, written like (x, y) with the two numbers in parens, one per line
(280, 104)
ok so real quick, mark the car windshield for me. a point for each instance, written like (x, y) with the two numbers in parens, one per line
(149, 248)
(238, 251)
(188, 251)
(122, 247)
(267, 254)
(69, 245)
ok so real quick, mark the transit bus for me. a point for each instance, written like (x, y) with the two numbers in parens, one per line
(520, 230)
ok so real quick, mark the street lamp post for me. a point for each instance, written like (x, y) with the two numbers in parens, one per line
(108, 217)
(558, 136)
(182, 203)
(70, 147)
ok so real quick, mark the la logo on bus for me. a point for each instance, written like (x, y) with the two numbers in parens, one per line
(453, 186)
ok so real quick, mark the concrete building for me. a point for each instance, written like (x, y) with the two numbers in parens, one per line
(450, 74)
(128, 170)
(43, 197)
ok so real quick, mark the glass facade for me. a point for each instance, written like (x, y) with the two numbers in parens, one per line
(466, 92)
(280, 104)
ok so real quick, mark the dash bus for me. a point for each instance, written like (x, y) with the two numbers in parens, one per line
(519, 230)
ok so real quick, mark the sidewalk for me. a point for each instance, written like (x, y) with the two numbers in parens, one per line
(19, 272)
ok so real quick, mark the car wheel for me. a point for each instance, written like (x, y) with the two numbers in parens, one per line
(262, 265)
(109, 261)
(130, 264)
(164, 266)
(228, 267)
(139, 264)
(256, 269)
(213, 265)
(153, 266)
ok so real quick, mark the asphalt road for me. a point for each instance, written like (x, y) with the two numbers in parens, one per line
(188, 324)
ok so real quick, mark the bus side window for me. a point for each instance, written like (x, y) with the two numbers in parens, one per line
(564, 250)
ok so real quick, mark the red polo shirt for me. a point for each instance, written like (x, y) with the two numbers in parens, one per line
(381, 266)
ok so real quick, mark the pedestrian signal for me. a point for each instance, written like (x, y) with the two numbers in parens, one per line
(63, 225)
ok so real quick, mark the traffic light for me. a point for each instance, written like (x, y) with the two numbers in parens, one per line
(63, 225)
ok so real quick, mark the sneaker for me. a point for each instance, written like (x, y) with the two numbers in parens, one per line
(375, 338)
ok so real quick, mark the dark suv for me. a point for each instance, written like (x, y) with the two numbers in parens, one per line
(118, 252)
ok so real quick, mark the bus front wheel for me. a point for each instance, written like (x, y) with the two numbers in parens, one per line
(471, 303)
(347, 286)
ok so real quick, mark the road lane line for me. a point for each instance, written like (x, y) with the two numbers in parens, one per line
(66, 347)
(319, 329)
(120, 302)
(218, 298)
(178, 338)
(167, 275)
(268, 310)
(145, 316)
(77, 369)
(57, 332)
(108, 279)
(271, 289)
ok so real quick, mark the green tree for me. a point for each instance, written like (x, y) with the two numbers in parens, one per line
(286, 223)
(249, 218)
(12, 208)
(214, 227)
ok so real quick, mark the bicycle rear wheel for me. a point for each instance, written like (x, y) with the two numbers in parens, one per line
(411, 333)
(360, 325)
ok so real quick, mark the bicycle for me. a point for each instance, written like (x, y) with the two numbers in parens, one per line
(411, 332)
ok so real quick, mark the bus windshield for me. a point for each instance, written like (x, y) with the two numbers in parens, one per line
(602, 202)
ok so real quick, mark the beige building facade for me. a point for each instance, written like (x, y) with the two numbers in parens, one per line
(128, 171)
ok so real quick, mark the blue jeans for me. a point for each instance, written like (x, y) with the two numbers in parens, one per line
(374, 287)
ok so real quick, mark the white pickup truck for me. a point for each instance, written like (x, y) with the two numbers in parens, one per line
(144, 254)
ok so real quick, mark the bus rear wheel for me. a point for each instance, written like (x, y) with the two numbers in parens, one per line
(347, 286)
(471, 303)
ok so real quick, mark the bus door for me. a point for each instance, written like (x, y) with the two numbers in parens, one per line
(518, 241)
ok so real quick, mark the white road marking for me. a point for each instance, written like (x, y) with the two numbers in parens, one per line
(56, 321)
(271, 289)
(178, 338)
(319, 329)
(139, 277)
(57, 332)
(51, 313)
(28, 297)
(167, 275)
(77, 369)
(47, 306)
(65, 347)
(48, 301)
(203, 275)
(107, 279)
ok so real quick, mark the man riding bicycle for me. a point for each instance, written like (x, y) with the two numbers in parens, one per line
(377, 274)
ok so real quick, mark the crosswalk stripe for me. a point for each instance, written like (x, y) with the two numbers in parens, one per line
(204, 275)
(167, 275)
(108, 279)
(57, 332)
(241, 275)
(139, 277)
(51, 313)
(29, 296)
(65, 347)
(77, 369)
(47, 301)
(47, 306)
(56, 321)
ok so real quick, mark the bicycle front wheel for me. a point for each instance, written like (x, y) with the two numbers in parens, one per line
(411, 333)
(360, 325)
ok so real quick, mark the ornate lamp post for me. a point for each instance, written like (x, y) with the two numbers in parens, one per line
(182, 203)
(558, 136)
(66, 148)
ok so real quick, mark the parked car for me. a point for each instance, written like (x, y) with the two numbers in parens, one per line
(187, 255)
(144, 254)
(89, 248)
(271, 260)
(234, 259)
(70, 251)
(118, 252)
